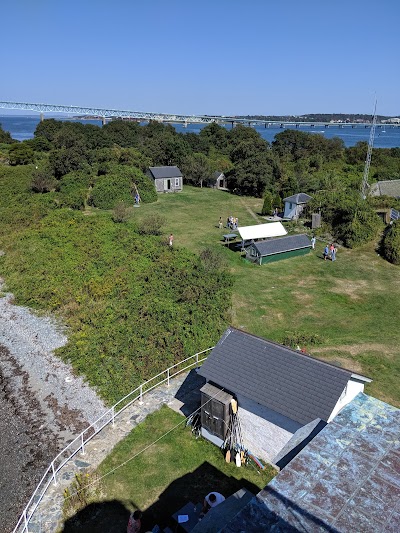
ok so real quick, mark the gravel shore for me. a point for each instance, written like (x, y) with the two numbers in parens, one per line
(42, 404)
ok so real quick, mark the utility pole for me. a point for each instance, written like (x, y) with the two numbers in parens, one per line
(364, 184)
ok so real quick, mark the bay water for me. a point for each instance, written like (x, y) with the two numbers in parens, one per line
(23, 127)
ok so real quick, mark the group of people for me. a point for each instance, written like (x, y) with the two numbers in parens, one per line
(231, 222)
(330, 252)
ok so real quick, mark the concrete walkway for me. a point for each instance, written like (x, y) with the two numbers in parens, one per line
(182, 396)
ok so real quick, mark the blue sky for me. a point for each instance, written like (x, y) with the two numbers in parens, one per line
(202, 56)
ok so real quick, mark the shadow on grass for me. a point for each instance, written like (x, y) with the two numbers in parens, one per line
(112, 516)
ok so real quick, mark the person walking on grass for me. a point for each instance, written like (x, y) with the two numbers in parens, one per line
(333, 254)
(171, 240)
(220, 223)
(313, 241)
(326, 252)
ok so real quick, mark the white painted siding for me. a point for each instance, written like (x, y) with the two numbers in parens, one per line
(351, 390)
(264, 431)
(292, 210)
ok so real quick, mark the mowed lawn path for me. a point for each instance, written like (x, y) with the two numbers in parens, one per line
(353, 304)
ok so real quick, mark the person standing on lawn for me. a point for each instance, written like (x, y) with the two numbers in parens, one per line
(313, 241)
(171, 240)
(326, 252)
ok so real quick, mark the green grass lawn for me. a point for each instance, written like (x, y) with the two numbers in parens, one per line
(178, 469)
(352, 304)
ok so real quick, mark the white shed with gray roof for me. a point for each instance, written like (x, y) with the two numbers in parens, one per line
(166, 179)
(295, 204)
(278, 389)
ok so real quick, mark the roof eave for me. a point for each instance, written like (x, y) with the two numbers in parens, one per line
(359, 377)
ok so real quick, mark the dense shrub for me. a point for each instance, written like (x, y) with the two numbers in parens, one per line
(391, 244)
(212, 260)
(73, 190)
(21, 154)
(133, 308)
(121, 212)
(5, 136)
(293, 339)
(110, 189)
(151, 225)
(67, 160)
(349, 218)
(43, 180)
(118, 183)
(360, 225)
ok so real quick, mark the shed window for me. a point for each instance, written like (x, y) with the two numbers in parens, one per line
(176, 182)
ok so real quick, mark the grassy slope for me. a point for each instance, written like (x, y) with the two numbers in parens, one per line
(352, 304)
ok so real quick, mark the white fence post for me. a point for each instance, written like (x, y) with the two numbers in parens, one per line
(141, 395)
(54, 474)
(167, 377)
(25, 522)
(197, 360)
(82, 445)
(113, 416)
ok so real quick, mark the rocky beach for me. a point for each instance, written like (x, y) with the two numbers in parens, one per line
(43, 405)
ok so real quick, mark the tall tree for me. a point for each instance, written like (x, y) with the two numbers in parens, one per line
(196, 168)
(5, 136)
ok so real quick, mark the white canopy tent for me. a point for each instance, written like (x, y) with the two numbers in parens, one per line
(262, 231)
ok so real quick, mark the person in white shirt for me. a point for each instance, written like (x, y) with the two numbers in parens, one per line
(212, 500)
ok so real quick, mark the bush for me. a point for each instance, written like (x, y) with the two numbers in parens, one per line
(110, 189)
(43, 180)
(391, 244)
(151, 225)
(267, 205)
(73, 190)
(295, 339)
(212, 260)
(363, 227)
(118, 183)
(21, 154)
(121, 212)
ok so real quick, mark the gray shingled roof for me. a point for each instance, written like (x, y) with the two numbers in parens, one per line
(300, 198)
(282, 244)
(165, 172)
(289, 382)
(386, 188)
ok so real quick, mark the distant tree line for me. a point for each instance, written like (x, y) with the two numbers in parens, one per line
(102, 166)
(318, 117)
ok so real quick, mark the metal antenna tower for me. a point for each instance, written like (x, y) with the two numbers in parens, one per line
(364, 184)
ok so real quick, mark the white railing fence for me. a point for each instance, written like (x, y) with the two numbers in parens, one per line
(109, 417)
